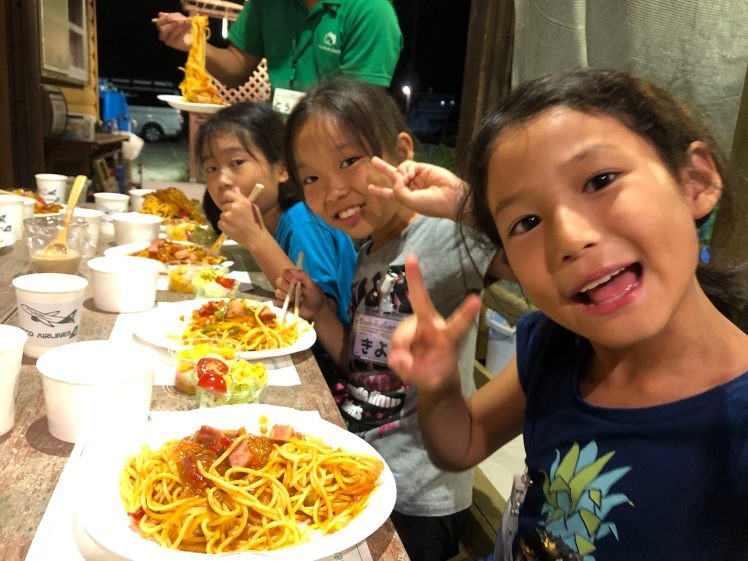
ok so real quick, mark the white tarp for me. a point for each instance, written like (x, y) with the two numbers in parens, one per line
(697, 49)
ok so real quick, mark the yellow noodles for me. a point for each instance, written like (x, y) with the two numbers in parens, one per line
(171, 203)
(255, 327)
(197, 85)
(305, 486)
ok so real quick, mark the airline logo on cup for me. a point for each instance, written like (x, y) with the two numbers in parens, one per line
(51, 196)
(55, 322)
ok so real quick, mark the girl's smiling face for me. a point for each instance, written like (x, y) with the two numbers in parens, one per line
(228, 164)
(599, 233)
(335, 172)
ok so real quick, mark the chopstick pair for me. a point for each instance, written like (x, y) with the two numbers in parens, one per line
(154, 20)
(296, 289)
(216, 247)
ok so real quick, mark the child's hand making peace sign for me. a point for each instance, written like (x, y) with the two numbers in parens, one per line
(424, 188)
(425, 347)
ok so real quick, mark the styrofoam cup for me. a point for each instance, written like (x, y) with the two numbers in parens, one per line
(133, 227)
(93, 389)
(12, 340)
(49, 309)
(124, 284)
(110, 204)
(51, 187)
(136, 198)
(29, 206)
(11, 216)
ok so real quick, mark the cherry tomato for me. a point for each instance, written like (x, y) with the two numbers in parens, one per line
(225, 282)
(212, 382)
(210, 365)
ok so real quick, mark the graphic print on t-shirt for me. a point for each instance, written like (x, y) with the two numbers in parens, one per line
(578, 498)
(373, 397)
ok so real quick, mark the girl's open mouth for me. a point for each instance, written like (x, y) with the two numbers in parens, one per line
(349, 212)
(610, 287)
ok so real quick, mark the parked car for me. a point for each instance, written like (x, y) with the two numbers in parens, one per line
(155, 123)
(150, 118)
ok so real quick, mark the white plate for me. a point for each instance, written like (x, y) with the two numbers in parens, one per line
(102, 515)
(128, 248)
(178, 102)
(162, 327)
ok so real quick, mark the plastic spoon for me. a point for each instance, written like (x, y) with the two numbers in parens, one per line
(60, 242)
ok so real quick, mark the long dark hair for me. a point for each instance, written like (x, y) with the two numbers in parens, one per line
(365, 111)
(644, 108)
(258, 127)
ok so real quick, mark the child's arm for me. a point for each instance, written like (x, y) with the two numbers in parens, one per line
(314, 306)
(241, 220)
(458, 432)
(424, 188)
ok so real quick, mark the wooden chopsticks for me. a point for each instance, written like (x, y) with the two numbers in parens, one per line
(216, 247)
(296, 289)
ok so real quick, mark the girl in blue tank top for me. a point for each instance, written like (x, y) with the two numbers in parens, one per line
(630, 385)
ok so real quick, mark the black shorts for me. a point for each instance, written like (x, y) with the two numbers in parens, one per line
(430, 538)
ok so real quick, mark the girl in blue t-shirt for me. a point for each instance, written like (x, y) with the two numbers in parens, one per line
(630, 385)
(240, 146)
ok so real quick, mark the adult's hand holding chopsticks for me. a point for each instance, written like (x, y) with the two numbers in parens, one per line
(174, 29)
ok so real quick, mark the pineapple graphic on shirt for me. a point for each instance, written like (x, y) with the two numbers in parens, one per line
(578, 498)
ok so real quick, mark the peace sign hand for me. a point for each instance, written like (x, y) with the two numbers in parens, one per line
(424, 188)
(425, 347)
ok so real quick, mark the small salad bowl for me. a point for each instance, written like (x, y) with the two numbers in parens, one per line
(228, 382)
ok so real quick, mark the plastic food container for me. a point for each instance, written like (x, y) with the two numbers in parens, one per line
(95, 388)
(249, 390)
(181, 274)
(187, 356)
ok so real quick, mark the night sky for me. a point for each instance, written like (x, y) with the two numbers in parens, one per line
(435, 33)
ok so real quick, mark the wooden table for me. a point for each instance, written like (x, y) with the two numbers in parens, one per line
(31, 459)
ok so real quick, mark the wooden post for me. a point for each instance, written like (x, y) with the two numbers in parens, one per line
(730, 237)
(488, 66)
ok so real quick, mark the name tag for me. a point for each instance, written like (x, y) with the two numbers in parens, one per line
(285, 100)
(372, 335)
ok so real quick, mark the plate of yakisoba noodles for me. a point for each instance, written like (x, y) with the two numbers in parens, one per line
(199, 93)
(255, 481)
(171, 203)
(255, 326)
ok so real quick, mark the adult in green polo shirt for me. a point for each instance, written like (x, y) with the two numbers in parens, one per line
(303, 41)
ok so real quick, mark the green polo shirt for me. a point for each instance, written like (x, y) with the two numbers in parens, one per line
(357, 39)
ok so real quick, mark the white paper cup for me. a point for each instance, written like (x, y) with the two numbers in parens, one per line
(136, 198)
(49, 309)
(124, 284)
(51, 187)
(110, 204)
(133, 227)
(11, 215)
(12, 340)
(29, 206)
(93, 217)
(93, 389)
